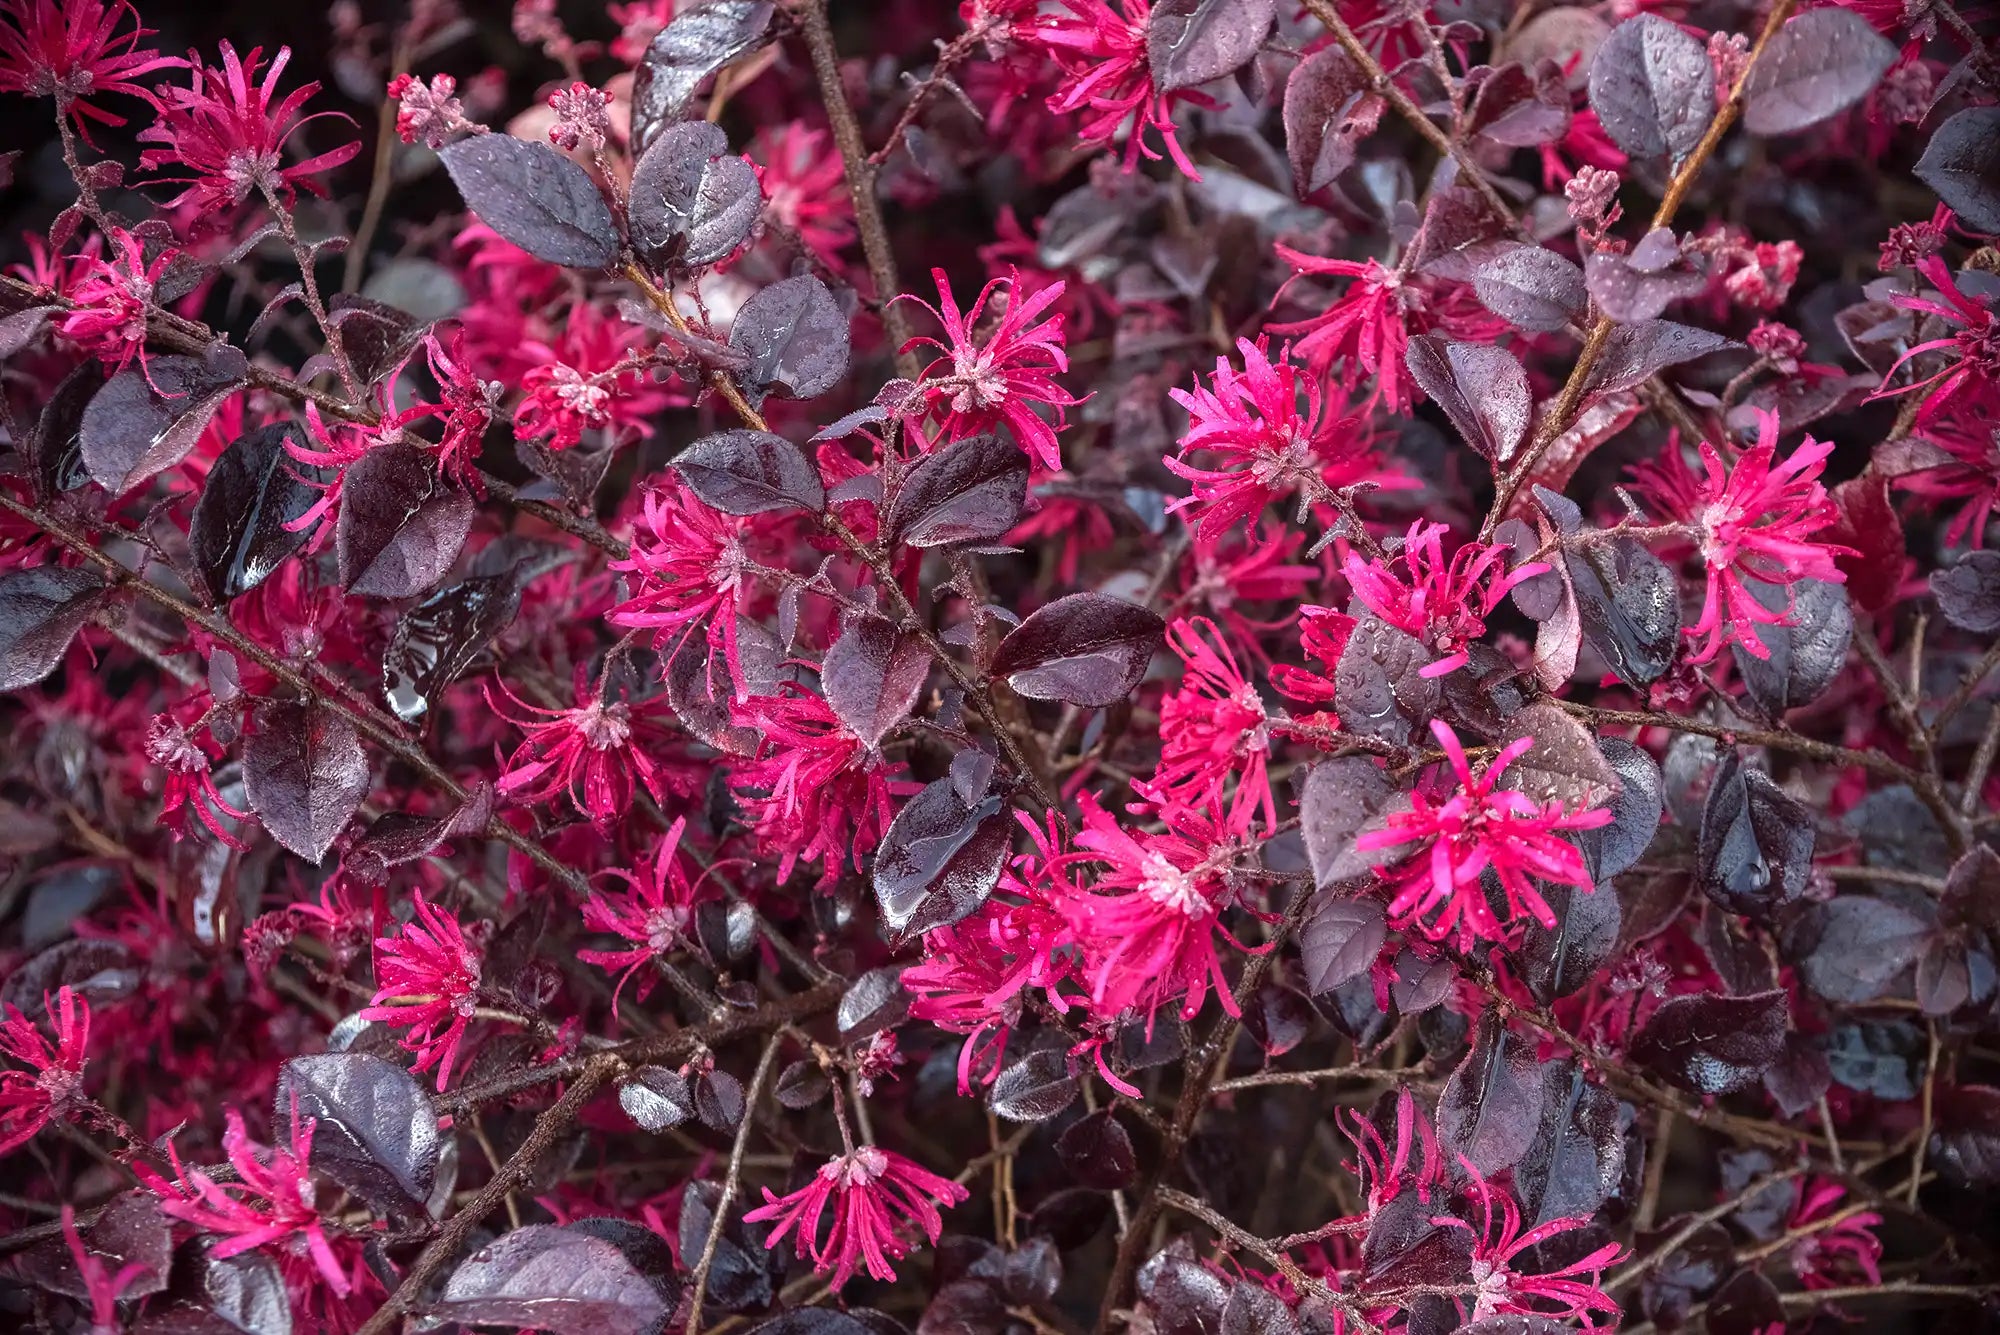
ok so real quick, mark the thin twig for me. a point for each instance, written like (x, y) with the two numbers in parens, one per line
(732, 1182)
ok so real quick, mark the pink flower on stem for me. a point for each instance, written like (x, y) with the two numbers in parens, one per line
(1442, 603)
(103, 1287)
(1109, 77)
(1438, 890)
(805, 185)
(1269, 435)
(427, 979)
(686, 567)
(1974, 367)
(1754, 520)
(593, 751)
(53, 1082)
(874, 1194)
(468, 409)
(113, 300)
(1499, 1240)
(1213, 727)
(814, 791)
(1964, 468)
(71, 50)
(997, 380)
(1386, 1170)
(271, 1201)
(1835, 1247)
(225, 132)
(428, 113)
(582, 121)
(190, 789)
(589, 378)
(652, 912)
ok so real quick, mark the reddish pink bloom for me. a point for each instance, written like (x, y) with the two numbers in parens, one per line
(1213, 727)
(225, 132)
(874, 1194)
(271, 1201)
(1964, 467)
(427, 113)
(1910, 244)
(1438, 890)
(1269, 436)
(1323, 636)
(190, 787)
(814, 791)
(1835, 1247)
(590, 378)
(104, 1288)
(468, 409)
(593, 751)
(1109, 78)
(1229, 573)
(113, 300)
(639, 23)
(1753, 521)
(427, 979)
(1764, 275)
(686, 567)
(1442, 603)
(71, 50)
(805, 185)
(1385, 1171)
(345, 926)
(652, 912)
(1974, 364)
(582, 118)
(998, 381)
(53, 1083)
(1502, 1289)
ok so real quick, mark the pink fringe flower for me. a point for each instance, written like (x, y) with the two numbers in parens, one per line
(53, 1082)
(71, 50)
(1499, 1240)
(874, 1193)
(1108, 76)
(594, 751)
(1213, 727)
(427, 980)
(686, 567)
(1443, 603)
(190, 789)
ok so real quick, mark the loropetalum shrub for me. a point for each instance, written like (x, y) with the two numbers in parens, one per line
(1211, 665)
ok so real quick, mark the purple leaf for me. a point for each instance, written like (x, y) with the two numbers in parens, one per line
(699, 690)
(1517, 108)
(1033, 1089)
(1634, 353)
(1635, 812)
(1556, 961)
(873, 1002)
(1755, 850)
(1855, 948)
(741, 1277)
(377, 1132)
(1653, 88)
(376, 336)
(972, 490)
(1710, 1044)
(41, 610)
(1377, 687)
(1491, 1107)
(872, 676)
(1801, 659)
(1088, 649)
(401, 525)
(1531, 288)
(245, 1292)
(1483, 390)
(437, 640)
(20, 328)
(1340, 939)
(55, 444)
(1965, 1147)
(1628, 289)
(1749, 1303)
(1962, 164)
(1564, 765)
(744, 472)
(1577, 1157)
(1628, 605)
(135, 428)
(1097, 1151)
(656, 1098)
(1821, 62)
(796, 338)
(697, 41)
(1341, 798)
(940, 858)
(555, 1280)
(535, 198)
(1190, 42)
(1969, 593)
(238, 535)
(305, 774)
(692, 202)
(401, 837)
(129, 1231)
(1329, 110)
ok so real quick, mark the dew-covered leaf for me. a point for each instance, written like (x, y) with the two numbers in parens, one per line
(1339, 940)
(697, 41)
(1329, 109)
(1855, 948)
(1969, 592)
(1483, 389)
(1190, 42)
(1340, 798)
(1629, 289)
(940, 858)
(1565, 764)
(1802, 658)
(1965, 1144)
(1635, 812)
(1962, 164)
(873, 1002)
(129, 1231)
(376, 1132)
(1710, 1044)
(972, 490)
(796, 338)
(741, 1277)
(244, 1293)
(1577, 1157)
(1653, 88)
(1634, 353)
(305, 774)
(1628, 605)
(41, 610)
(1033, 1089)
(693, 201)
(238, 535)
(437, 640)
(401, 524)
(1556, 961)
(1531, 288)
(1491, 1106)
(554, 1280)
(145, 421)
(744, 472)
(1097, 1151)
(534, 197)
(1088, 649)
(1378, 687)
(55, 445)
(873, 675)
(1821, 62)
(1755, 851)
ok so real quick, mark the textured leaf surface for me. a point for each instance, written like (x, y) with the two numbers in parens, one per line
(534, 197)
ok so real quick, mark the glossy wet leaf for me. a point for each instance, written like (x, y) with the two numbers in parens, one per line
(145, 421)
(55, 446)
(1636, 809)
(972, 490)
(1802, 659)
(873, 1002)
(1628, 605)
(1098, 1153)
(796, 338)
(698, 41)
(376, 1133)
(743, 472)
(940, 858)
(1634, 353)
(1482, 389)
(1341, 798)
(305, 773)
(1856, 947)
(741, 1277)
(41, 610)
(437, 640)
(1492, 1104)
(873, 675)
(1820, 63)
(553, 1280)
(1711, 1044)
(1755, 851)
(1557, 961)
(1531, 288)
(1088, 649)
(129, 1231)
(1653, 88)
(401, 525)
(1962, 164)
(1379, 689)
(1339, 940)
(376, 336)
(1033, 1089)
(1968, 593)
(535, 198)
(238, 534)
(1965, 1145)
(1628, 289)
(1190, 42)
(245, 1292)
(1565, 763)
(692, 200)
(1577, 1157)
(1329, 109)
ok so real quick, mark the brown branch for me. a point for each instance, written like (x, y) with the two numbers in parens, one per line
(731, 1183)
(1872, 760)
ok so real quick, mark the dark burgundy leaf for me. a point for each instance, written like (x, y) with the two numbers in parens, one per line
(535, 198)
(1277, 1017)
(1181, 1296)
(19, 329)
(1627, 289)
(376, 336)
(1965, 1145)
(245, 1292)
(1405, 1245)
(801, 1085)
(1190, 42)
(873, 675)
(743, 472)
(1749, 1303)
(55, 446)
(824, 1321)
(401, 525)
(305, 774)
(1711, 1044)
(1341, 798)
(238, 535)
(1355, 1012)
(719, 1101)
(796, 338)
(41, 610)
(1482, 389)
(873, 1002)
(1869, 534)
(400, 837)
(1521, 1323)
(1634, 353)
(1033, 1089)
(656, 1098)
(1521, 108)
(1629, 606)
(130, 1231)
(1687, 1274)
(1821, 62)
(437, 640)
(1421, 981)
(1531, 288)
(1098, 1153)
(1653, 88)
(1088, 649)
(693, 202)
(1635, 812)
(98, 971)
(699, 691)
(1737, 952)
(1969, 592)
(1492, 1105)
(145, 421)
(972, 490)
(554, 1280)
(1577, 1157)
(1799, 1078)
(1756, 845)
(1252, 1309)
(741, 1277)
(1802, 658)
(377, 1132)
(647, 1251)
(1329, 109)
(696, 42)
(1962, 164)
(1377, 687)
(940, 858)
(1339, 940)
(1565, 764)
(1557, 961)
(1856, 948)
